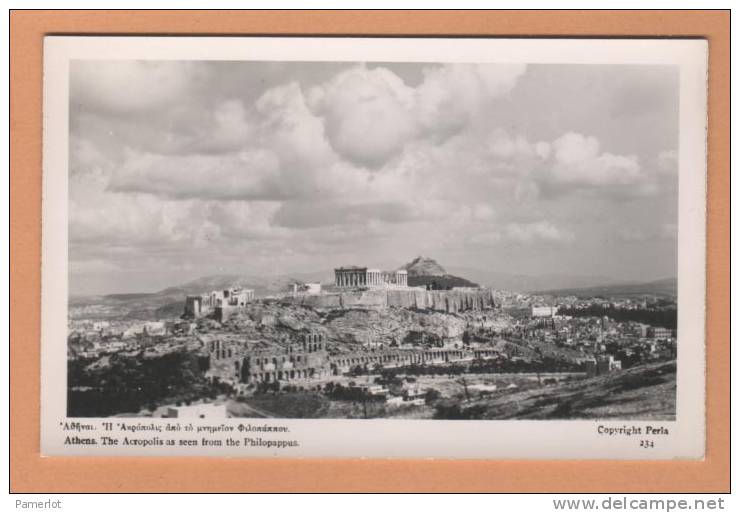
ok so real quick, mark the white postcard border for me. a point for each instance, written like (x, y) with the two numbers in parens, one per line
(572, 439)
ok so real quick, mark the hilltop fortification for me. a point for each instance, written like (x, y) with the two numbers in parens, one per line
(450, 301)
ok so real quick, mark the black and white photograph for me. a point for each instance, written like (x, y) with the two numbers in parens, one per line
(257, 240)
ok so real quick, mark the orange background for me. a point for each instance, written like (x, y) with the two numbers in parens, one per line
(29, 472)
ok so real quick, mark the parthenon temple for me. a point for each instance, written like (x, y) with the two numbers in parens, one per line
(353, 276)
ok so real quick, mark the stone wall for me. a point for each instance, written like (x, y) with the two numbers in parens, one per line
(398, 358)
(364, 299)
(450, 301)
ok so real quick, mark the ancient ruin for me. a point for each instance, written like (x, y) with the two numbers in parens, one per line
(450, 301)
(354, 276)
(221, 303)
(235, 362)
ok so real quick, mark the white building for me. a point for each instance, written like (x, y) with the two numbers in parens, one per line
(311, 289)
(544, 311)
(198, 411)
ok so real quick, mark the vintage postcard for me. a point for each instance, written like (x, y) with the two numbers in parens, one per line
(348, 247)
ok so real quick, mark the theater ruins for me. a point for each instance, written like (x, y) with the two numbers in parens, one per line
(305, 358)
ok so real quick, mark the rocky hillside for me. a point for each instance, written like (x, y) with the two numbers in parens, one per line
(425, 271)
(396, 326)
(646, 392)
(345, 330)
(424, 266)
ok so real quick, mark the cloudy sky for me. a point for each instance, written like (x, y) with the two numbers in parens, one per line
(182, 169)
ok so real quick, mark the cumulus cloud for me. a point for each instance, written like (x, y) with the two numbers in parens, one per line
(504, 146)
(133, 219)
(85, 156)
(305, 214)
(246, 175)
(123, 87)
(226, 130)
(179, 129)
(452, 95)
(98, 216)
(166, 159)
(137, 208)
(289, 128)
(541, 231)
(578, 160)
(525, 234)
(369, 113)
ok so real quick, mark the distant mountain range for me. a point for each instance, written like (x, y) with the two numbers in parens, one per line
(424, 270)
(664, 287)
(169, 302)
(528, 282)
(262, 285)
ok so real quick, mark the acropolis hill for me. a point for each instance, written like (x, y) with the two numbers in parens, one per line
(364, 287)
(451, 301)
(414, 285)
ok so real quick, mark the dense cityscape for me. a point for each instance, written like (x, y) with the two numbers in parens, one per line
(382, 348)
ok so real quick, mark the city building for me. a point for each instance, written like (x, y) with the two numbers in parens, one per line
(155, 328)
(544, 311)
(637, 329)
(602, 365)
(197, 411)
(311, 289)
(659, 333)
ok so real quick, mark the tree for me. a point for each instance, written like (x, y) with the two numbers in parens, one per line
(431, 395)
(464, 383)
(466, 338)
